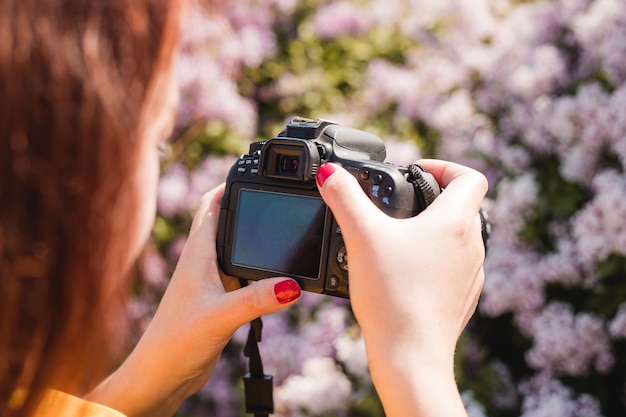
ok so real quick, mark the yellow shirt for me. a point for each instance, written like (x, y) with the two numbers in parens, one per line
(58, 404)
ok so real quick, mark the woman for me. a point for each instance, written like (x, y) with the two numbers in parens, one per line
(87, 95)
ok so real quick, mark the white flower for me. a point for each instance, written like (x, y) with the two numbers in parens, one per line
(472, 407)
(321, 388)
(545, 396)
(617, 326)
(351, 353)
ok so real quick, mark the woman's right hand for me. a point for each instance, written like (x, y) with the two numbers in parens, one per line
(414, 284)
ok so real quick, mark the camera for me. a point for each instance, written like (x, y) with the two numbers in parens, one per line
(272, 220)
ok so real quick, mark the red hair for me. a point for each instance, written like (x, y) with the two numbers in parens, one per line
(74, 76)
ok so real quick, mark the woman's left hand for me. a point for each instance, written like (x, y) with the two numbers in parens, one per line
(195, 320)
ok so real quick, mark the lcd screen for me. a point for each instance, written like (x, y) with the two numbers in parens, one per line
(279, 232)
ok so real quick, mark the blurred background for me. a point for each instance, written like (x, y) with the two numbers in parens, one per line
(532, 93)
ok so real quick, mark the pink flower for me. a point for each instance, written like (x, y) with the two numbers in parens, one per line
(545, 396)
(173, 191)
(569, 343)
(339, 19)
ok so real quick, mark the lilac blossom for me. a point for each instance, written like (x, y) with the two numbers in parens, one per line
(512, 284)
(545, 396)
(209, 53)
(251, 26)
(320, 388)
(211, 172)
(350, 348)
(600, 227)
(219, 391)
(519, 42)
(506, 396)
(516, 199)
(569, 343)
(602, 32)
(285, 349)
(401, 152)
(617, 326)
(587, 120)
(565, 266)
(173, 191)
(154, 270)
(389, 83)
(175, 248)
(180, 191)
(341, 18)
(472, 407)
(617, 124)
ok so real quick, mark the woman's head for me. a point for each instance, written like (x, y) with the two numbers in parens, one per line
(83, 89)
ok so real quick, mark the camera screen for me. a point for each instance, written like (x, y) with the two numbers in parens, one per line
(279, 232)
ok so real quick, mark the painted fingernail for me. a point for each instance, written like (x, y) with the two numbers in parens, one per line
(286, 291)
(324, 172)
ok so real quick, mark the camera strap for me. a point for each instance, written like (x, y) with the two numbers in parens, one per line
(424, 194)
(258, 387)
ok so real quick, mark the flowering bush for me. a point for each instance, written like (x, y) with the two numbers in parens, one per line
(532, 93)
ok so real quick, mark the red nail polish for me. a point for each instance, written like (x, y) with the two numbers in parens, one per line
(286, 291)
(324, 172)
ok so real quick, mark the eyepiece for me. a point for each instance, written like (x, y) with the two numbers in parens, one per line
(289, 164)
(290, 159)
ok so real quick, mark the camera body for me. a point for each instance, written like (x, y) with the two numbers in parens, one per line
(273, 221)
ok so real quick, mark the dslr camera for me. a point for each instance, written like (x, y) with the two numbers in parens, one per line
(272, 220)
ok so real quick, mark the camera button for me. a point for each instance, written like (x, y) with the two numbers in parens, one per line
(364, 174)
(241, 170)
(342, 258)
(387, 191)
(333, 282)
(377, 179)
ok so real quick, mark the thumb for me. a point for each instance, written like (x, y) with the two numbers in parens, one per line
(346, 199)
(259, 298)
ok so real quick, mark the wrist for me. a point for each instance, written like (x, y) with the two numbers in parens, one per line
(414, 380)
(138, 389)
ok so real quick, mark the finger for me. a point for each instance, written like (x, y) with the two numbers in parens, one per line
(260, 298)
(199, 254)
(346, 199)
(203, 230)
(209, 208)
(465, 188)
